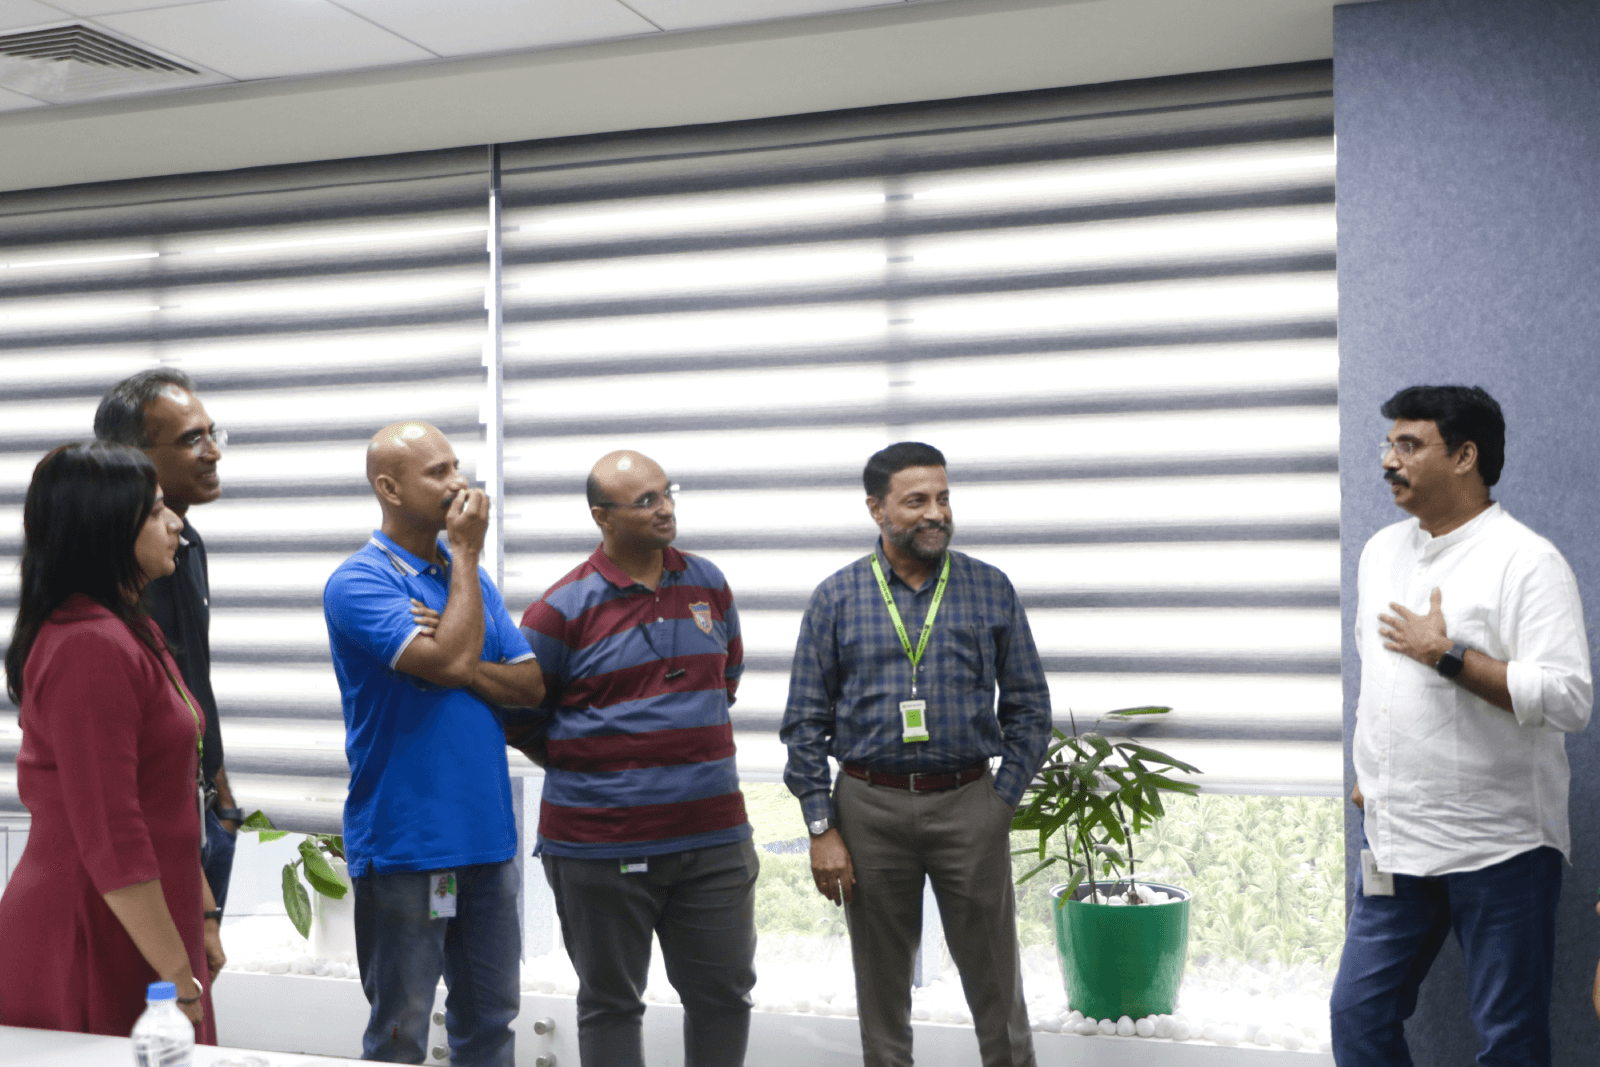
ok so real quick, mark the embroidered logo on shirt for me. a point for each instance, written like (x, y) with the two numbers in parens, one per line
(702, 615)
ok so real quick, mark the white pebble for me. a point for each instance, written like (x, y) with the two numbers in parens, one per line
(1181, 1031)
(1264, 1036)
(1125, 1027)
(1074, 1017)
(1163, 1027)
(802, 1004)
(1052, 1023)
(1226, 1035)
(279, 966)
(252, 964)
(320, 968)
(1145, 1027)
(1087, 1028)
(1290, 1040)
(1108, 1026)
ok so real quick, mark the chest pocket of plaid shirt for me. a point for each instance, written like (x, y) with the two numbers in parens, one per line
(967, 658)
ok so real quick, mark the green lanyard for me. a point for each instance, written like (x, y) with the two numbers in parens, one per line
(900, 627)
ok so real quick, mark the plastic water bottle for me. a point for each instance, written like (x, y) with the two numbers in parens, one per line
(163, 1036)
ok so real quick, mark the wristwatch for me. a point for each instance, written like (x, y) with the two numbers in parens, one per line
(819, 826)
(233, 815)
(215, 913)
(1451, 662)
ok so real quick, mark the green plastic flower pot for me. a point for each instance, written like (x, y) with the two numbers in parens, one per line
(1122, 960)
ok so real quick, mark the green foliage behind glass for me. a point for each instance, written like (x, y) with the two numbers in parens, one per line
(1267, 874)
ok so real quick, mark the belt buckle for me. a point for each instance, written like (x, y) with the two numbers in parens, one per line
(911, 780)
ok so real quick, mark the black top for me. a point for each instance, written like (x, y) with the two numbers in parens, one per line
(181, 605)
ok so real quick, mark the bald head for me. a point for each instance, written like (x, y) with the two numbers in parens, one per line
(631, 502)
(393, 448)
(414, 474)
(612, 479)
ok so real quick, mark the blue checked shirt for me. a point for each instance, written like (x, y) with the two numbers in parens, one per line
(851, 672)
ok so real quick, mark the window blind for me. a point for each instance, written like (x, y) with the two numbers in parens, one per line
(311, 305)
(1112, 307)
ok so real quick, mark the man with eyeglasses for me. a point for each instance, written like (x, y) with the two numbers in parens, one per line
(642, 826)
(157, 411)
(1474, 665)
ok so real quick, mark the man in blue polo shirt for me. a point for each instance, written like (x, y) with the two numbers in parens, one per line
(429, 832)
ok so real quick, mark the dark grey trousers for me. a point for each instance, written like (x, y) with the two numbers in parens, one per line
(960, 839)
(701, 904)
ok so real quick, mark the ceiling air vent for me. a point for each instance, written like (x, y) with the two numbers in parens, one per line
(67, 63)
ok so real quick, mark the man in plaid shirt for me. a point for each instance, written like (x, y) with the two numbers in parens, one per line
(904, 699)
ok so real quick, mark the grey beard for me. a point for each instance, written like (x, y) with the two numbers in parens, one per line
(906, 540)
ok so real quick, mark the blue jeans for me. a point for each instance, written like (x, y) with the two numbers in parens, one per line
(1504, 916)
(216, 859)
(402, 952)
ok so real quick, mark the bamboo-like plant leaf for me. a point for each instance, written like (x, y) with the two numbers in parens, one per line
(320, 873)
(1148, 709)
(256, 820)
(295, 900)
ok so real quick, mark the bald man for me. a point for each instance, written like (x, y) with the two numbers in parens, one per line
(642, 827)
(426, 657)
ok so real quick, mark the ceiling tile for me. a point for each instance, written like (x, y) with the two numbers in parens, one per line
(10, 101)
(267, 38)
(21, 14)
(91, 8)
(466, 27)
(689, 14)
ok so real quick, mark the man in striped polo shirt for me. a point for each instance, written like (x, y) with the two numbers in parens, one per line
(642, 826)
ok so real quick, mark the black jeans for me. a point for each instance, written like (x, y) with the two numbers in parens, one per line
(701, 904)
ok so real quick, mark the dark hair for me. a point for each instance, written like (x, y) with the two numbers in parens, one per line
(1462, 413)
(120, 417)
(597, 496)
(85, 508)
(897, 457)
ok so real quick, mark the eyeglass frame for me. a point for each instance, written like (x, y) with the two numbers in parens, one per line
(644, 504)
(201, 444)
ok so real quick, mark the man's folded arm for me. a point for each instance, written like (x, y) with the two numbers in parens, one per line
(450, 655)
(509, 685)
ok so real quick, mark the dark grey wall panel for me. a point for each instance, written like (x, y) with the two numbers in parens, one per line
(1469, 251)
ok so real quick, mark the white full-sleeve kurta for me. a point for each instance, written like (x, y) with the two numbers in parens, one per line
(1453, 783)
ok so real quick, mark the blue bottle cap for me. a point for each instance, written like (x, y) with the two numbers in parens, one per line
(161, 991)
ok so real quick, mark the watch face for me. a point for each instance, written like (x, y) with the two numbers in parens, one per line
(819, 827)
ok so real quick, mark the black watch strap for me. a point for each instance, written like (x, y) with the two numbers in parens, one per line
(214, 914)
(234, 815)
(1451, 662)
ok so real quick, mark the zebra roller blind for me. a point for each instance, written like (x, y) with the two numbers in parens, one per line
(311, 305)
(1112, 307)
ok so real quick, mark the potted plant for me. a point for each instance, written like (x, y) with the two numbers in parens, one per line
(322, 862)
(1122, 942)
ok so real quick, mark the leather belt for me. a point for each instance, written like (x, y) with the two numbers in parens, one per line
(916, 782)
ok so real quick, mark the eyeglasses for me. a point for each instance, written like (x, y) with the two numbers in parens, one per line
(1402, 448)
(648, 502)
(199, 442)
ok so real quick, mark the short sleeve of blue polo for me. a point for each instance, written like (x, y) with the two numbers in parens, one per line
(429, 786)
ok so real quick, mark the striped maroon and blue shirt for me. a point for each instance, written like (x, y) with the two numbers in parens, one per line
(638, 683)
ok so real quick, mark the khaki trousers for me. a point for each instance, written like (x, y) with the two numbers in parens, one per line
(960, 840)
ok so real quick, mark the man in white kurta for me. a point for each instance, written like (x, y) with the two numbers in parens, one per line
(1474, 665)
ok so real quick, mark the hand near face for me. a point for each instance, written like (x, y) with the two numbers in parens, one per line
(467, 520)
(1421, 637)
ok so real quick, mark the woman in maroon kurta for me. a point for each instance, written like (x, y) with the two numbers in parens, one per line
(107, 767)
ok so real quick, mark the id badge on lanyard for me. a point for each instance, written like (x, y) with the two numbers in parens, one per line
(913, 712)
